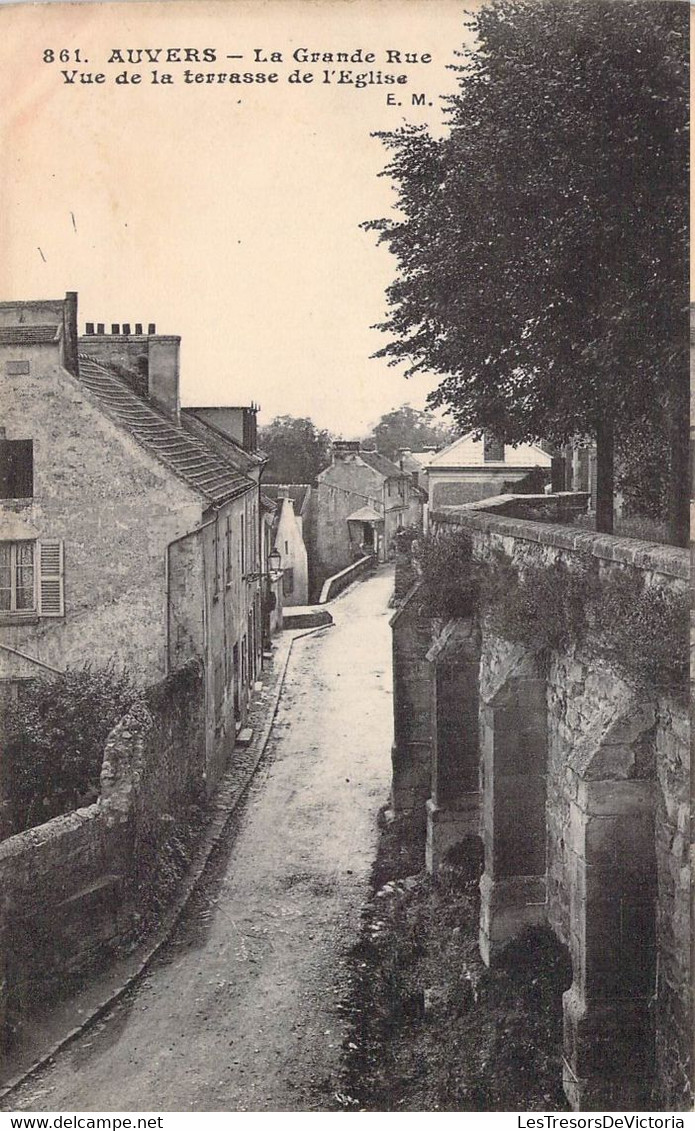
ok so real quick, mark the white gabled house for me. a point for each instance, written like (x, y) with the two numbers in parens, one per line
(477, 467)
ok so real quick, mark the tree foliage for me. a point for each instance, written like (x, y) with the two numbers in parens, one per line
(408, 427)
(541, 244)
(297, 449)
(54, 741)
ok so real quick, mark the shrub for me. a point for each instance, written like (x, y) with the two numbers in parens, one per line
(641, 630)
(450, 576)
(54, 741)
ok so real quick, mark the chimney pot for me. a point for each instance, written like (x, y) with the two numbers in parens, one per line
(89, 329)
(126, 328)
(100, 327)
(151, 328)
(115, 328)
(138, 328)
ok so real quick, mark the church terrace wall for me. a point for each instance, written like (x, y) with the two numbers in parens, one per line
(617, 783)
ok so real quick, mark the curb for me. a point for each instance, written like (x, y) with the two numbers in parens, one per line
(191, 882)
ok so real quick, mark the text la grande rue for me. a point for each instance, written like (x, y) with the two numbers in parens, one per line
(134, 56)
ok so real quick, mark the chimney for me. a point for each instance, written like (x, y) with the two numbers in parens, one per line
(70, 332)
(343, 448)
(163, 373)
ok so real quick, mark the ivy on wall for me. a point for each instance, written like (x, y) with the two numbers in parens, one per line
(640, 629)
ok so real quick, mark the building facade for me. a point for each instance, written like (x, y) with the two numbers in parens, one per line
(293, 502)
(474, 468)
(362, 501)
(124, 537)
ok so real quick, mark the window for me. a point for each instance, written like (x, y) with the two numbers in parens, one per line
(31, 578)
(215, 558)
(493, 449)
(16, 469)
(17, 592)
(288, 583)
(243, 547)
(228, 543)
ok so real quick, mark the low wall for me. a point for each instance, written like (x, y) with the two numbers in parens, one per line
(71, 890)
(334, 585)
(583, 807)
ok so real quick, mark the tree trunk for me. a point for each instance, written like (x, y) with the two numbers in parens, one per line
(604, 476)
(679, 477)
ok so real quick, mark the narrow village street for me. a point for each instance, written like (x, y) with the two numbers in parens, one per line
(241, 1012)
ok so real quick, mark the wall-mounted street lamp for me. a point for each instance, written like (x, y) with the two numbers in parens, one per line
(274, 560)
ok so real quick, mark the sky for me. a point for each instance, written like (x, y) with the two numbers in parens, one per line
(229, 214)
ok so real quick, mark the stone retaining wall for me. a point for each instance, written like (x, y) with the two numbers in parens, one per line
(70, 889)
(334, 585)
(583, 807)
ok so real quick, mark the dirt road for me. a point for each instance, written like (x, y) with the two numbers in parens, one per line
(241, 1011)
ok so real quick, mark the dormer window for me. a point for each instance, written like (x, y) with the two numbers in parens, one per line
(16, 469)
(493, 449)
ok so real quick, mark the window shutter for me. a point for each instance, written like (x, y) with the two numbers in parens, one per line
(51, 603)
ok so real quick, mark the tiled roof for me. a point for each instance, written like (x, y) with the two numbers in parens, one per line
(381, 464)
(299, 493)
(238, 455)
(28, 335)
(415, 461)
(200, 466)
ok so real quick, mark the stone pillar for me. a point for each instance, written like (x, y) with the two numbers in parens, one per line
(514, 752)
(411, 753)
(453, 810)
(608, 1040)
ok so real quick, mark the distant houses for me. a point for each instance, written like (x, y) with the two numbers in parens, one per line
(130, 530)
(362, 500)
(476, 467)
(290, 533)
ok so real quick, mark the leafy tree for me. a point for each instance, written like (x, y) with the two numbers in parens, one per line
(298, 450)
(54, 741)
(408, 427)
(541, 244)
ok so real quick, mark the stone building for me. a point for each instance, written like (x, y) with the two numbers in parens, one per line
(126, 535)
(362, 500)
(292, 519)
(414, 463)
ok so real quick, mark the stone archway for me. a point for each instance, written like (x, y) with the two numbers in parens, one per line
(608, 1031)
(513, 739)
